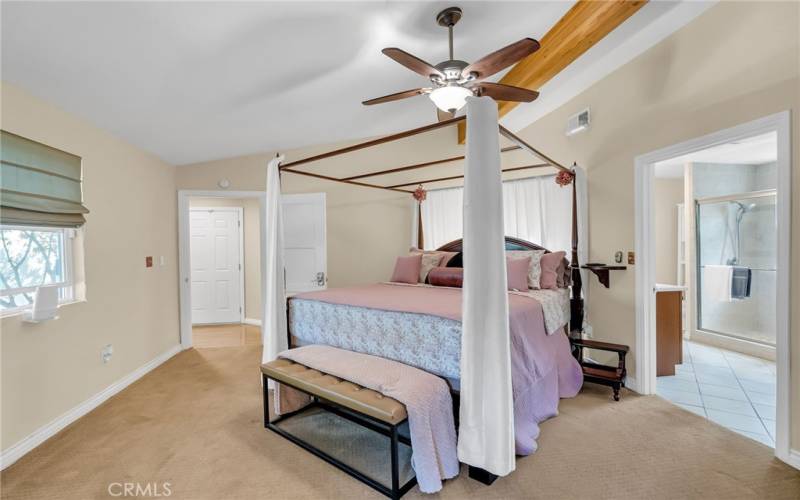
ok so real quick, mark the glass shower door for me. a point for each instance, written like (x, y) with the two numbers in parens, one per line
(736, 260)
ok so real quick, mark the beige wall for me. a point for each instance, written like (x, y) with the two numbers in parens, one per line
(735, 63)
(252, 247)
(667, 194)
(49, 368)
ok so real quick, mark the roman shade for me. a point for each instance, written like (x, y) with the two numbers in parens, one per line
(39, 185)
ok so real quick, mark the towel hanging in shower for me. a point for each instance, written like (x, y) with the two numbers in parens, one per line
(741, 278)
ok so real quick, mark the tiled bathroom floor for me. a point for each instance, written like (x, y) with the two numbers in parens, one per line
(732, 389)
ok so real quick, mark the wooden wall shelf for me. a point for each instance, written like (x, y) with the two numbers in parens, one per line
(602, 272)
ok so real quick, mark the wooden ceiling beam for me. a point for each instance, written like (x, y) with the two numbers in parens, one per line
(585, 24)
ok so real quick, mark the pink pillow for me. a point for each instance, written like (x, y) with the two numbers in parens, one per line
(406, 269)
(517, 273)
(550, 269)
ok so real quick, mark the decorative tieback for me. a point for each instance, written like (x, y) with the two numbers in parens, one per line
(420, 194)
(564, 178)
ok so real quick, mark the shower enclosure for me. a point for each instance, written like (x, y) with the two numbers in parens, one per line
(736, 261)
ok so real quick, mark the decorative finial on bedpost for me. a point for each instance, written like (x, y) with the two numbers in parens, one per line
(565, 177)
(420, 194)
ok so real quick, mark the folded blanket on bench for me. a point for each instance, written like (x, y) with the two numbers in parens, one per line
(425, 396)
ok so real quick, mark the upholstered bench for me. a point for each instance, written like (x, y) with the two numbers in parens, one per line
(358, 404)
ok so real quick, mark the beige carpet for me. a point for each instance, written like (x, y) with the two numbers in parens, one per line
(195, 422)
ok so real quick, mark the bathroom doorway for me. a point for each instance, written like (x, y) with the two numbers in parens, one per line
(731, 270)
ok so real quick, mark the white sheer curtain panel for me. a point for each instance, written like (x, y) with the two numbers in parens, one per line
(486, 430)
(442, 217)
(274, 328)
(540, 211)
(534, 209)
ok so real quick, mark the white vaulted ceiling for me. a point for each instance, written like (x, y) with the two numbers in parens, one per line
(194, 81)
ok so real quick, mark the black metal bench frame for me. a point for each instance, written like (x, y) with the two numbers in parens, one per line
(388, 430)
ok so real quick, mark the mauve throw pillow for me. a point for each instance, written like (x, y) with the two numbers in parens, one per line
(406, 269)
(446, 276)
(517, 273)
(550, 264)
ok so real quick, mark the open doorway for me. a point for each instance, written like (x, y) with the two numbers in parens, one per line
(224, 275)
(218, 231)
(220, 268)
(712, 281)
(715, 283)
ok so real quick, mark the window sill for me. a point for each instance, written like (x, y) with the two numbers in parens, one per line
(20, 312)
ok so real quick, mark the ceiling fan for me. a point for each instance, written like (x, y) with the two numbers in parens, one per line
(454, 80)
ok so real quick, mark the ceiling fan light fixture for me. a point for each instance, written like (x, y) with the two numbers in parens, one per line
(450, 98)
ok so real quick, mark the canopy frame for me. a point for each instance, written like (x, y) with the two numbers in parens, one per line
(519, 144)
(577, 313)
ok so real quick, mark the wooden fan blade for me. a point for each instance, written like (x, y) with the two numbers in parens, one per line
(500, 59)
(500, 92)
(444, 115)
(413, 63)
(394, 97)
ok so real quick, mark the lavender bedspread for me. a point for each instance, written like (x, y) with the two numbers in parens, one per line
(542, 367)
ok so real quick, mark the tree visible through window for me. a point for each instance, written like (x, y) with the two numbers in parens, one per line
(30, 257)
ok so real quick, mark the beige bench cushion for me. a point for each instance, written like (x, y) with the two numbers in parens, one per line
(347, 394)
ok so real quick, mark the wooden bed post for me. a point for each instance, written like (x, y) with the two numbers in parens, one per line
(576, 302)
(420, 234)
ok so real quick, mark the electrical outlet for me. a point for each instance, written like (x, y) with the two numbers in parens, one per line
(106, 353)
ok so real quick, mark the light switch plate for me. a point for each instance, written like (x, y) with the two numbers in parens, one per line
(148, 261)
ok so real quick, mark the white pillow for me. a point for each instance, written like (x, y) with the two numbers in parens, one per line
(535, 269)
(429, 261)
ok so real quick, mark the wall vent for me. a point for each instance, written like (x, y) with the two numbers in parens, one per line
(577, 123)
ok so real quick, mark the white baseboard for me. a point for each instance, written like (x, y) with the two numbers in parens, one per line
(40, 435)
(631, 384)
(793, 459)
(251, 321)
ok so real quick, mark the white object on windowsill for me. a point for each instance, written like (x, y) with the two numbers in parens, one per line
(45, 305)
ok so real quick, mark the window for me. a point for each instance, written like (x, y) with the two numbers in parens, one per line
(30, 257)
(535, 209)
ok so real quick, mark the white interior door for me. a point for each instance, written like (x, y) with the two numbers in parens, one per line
(215, 254)
(305, 255)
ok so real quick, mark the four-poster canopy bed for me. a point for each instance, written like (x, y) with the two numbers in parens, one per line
(511, 338)
(576, 305)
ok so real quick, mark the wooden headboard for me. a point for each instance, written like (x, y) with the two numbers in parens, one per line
(511, 244)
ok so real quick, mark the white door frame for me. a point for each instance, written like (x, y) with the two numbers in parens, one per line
(184, 259)
(645, 248)
(240, 215)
